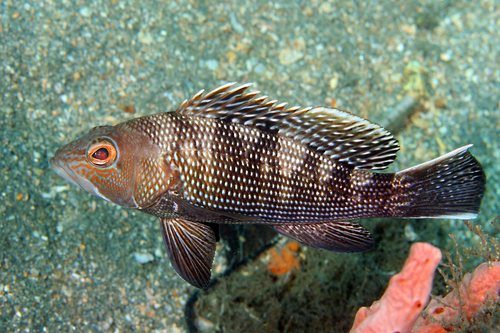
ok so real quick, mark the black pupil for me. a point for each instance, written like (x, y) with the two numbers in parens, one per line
(101, 154)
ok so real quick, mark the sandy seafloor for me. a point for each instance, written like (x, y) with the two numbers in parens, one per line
(67, 259)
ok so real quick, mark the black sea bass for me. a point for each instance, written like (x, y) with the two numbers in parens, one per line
(231, 156)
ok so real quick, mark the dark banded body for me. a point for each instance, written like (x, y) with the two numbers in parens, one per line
(230, 168)
(234, 157)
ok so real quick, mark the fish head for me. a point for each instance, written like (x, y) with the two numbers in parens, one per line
(102, 162)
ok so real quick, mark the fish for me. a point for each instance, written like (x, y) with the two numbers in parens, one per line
(234, 155)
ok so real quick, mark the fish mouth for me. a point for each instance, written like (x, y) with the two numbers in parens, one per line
(65, 172)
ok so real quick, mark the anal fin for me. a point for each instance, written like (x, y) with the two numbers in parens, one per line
(334, 236)
(191, 249)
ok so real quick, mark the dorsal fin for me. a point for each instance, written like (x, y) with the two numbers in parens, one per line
(340, 135)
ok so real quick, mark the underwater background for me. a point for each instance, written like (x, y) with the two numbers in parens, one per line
(429, 71)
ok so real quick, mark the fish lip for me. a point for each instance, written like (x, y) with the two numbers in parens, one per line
(65, 172)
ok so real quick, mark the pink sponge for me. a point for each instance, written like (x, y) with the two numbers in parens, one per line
(475, 289)
(401, 305)
(406, 296)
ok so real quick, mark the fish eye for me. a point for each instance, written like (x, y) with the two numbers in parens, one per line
(102, 153)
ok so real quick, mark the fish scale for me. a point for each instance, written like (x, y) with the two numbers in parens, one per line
(232, 156)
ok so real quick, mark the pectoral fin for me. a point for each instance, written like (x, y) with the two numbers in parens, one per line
(191, 249)
(334, 236)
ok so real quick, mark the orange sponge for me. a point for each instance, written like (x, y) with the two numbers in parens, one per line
(280, 264)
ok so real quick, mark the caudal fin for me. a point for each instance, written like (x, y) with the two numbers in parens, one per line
(450, 186)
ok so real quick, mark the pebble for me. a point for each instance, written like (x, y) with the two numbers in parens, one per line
(35, 272)
(85, 12)
(174, 329)
(469, 72)
(204, 325)
(200, 18)
(61, 188)
(145, 38)
(143, 258)
(238, 28)
(419, 121)
(58, 88)
(440, 103)
(288, 56)
(212, 64)
(410, 233)
(106, 324)
(67, 291)
(48, 195)
(446, 56)
(57, 274)
(260, 69)
(159, 253)
(457, 21)
(325, 8)
(410, 29)
(334, 82)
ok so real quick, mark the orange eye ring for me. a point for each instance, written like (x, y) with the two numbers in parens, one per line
(102, 153)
